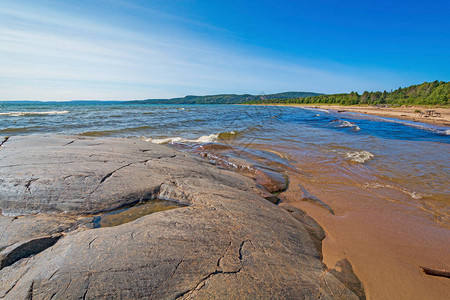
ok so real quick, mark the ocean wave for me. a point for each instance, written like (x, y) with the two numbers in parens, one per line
(14, 130)
(426, 127)
(227, 136)
(359, 156)
(33, 113)
(376, 185)
(345, 124)
(170, 140)
(205, 139)
(316, 109)
(416, 124)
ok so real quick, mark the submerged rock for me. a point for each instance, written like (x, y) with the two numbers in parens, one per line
(229, 242)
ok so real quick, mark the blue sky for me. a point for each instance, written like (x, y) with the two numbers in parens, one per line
(117, 50)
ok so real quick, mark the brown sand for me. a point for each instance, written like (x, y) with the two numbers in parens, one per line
(386, 241)
(405, 113)
(385, 235)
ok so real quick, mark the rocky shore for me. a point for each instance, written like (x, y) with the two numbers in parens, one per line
(223, 239)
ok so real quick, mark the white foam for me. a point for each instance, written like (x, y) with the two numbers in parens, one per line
(414, 195)
(342, 124)
(316, 109)
(376, 185)
(207, 138)
(418, 125)
(166, 140)
(29, 113)
(359, 156)
(202, 140)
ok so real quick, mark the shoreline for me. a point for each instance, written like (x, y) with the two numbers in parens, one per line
(222, 236)
(379, 238)
(385, 242)
(379, 229)
(403, 113)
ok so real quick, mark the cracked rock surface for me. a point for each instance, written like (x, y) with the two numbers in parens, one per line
(229, 242)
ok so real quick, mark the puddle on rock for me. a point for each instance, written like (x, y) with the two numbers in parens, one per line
(132, 212)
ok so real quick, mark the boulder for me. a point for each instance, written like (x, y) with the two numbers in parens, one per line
(226, 242)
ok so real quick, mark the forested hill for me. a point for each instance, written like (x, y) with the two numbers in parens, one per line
(225, 98)
(427, 93)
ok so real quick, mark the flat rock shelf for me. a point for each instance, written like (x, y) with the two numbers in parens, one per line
(222, 239)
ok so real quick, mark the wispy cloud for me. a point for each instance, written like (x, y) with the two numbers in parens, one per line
(54, 55)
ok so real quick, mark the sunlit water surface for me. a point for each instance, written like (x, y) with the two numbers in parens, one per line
(374, 153)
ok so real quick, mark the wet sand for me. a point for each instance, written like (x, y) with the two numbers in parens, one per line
(405, 113)
(386, 233)
(384, 237)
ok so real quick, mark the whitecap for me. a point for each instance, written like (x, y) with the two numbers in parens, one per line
(170, 140)
(376, 185)
(207, 139)
(416, 124)
(316, 109)
(359, 156)
(344, 124)
(31, 113)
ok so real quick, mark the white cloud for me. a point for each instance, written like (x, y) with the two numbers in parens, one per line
(56, 56)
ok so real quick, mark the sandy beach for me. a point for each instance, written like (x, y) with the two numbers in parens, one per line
(385, 232)
(386, 239)
(410, 113)
(386, 242)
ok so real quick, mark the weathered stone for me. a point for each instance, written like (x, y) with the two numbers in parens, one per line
(273, 181)
(305, 196)
(22, 228)
(316, 232)
(228, 243)
(25, 249)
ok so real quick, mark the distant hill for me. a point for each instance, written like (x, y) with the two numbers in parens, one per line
(427, 93)
(224, 98)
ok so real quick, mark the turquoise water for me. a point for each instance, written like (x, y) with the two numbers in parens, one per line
(374, 151)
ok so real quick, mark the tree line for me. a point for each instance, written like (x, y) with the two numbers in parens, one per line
(427, 93)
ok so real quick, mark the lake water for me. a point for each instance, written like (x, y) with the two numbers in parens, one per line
(398, 161)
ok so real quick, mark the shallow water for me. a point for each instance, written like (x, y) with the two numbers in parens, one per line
(133, 212)
(399, 161)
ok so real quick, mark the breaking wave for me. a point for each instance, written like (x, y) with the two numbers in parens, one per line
(376, 185)
(422, 126)
(212, 138)
(317, 109)
(343, 124)
(359, 156)
(202, 140)
(34, 113)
